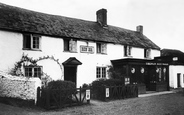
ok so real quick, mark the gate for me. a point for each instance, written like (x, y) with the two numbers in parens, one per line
(59, 98)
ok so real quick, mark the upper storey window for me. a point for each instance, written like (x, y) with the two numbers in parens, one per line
(31, 42)
(127, 50)
(70, 45)
(101, 48)
(147, 53)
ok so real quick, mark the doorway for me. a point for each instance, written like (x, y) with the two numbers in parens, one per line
(70, 73)
(178, 80)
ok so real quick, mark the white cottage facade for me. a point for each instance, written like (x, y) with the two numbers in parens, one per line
(81, 51)
(176, 66)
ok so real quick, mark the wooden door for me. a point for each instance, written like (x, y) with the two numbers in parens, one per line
(70, 73)
(178, 80)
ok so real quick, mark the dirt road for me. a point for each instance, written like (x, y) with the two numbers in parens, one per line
(168, 104)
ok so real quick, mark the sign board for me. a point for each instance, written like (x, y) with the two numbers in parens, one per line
(86, 49)
(151, 63)
(107, 92)
(87, 94)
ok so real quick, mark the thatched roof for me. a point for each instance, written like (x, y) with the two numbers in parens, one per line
(22, 20)
(172, 53)
(169, 54)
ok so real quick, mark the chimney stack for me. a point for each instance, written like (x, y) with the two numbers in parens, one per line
(140, 29)
(102, 17)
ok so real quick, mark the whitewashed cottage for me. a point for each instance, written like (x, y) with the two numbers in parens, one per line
(73, 49)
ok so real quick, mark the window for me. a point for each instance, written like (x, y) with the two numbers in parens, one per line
(100, 72)
(101, 48)
(127, 50)
(33, 71)
(70, 45)
(31, 42)
(147, 53)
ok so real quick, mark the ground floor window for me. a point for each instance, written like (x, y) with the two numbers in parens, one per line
(33, 71)
(100, 72)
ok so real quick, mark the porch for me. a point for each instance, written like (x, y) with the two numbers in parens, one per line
(149, 75)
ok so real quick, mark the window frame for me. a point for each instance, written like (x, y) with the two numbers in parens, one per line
(147, 53)
(31, 44)
(33, 71)
(127, 51)
(101, 72)
(101, 48)
(70, 45)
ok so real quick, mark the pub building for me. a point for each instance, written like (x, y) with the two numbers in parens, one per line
(149, 75)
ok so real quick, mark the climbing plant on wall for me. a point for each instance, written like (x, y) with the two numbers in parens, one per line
(26, 59)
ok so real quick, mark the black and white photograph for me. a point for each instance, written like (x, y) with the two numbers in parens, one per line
(91, 57)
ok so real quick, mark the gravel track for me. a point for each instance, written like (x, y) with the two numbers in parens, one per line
(167, 104)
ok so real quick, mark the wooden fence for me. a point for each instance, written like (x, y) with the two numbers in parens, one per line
(106, 93)
(57, 98)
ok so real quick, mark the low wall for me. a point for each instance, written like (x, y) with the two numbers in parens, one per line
(19, 87)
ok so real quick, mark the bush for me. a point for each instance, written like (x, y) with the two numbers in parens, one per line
(85, 85)
(98, 87)
(59, 84)
(59, 92)
(107, 82)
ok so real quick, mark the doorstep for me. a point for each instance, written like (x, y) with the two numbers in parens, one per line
(152, 93)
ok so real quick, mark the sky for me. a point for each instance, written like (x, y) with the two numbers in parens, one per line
(162, 20)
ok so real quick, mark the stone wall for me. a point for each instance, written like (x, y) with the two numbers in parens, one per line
(19, 87)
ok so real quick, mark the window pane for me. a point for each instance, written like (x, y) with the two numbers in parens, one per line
(103, 48)
(98, 72)
(37, 72)
(98, 48)
(125, 50)
(36, 42)
(129, 50)
(66, 45)
(103, 72)
(26, 41)
(73, 45)
(28, 71)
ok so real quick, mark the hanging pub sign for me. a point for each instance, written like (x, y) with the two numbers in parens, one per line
(87, 49)
(87, 94)
(107, 92)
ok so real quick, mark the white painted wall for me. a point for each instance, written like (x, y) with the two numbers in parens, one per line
(173, 71)
(11, 46)
(10, 49)
(138, 53)
(155, 53)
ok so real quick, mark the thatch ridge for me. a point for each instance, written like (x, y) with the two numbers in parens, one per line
(22, 20)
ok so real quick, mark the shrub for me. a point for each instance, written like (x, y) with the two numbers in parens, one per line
(107, 82)
(98, 87)
(58, 91)
(85, 85)
(62, 85)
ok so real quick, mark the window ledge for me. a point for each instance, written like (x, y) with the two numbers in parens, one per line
(70, 52)
(102, 53)
(31, 49)
(147, 57)
(129, 56)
